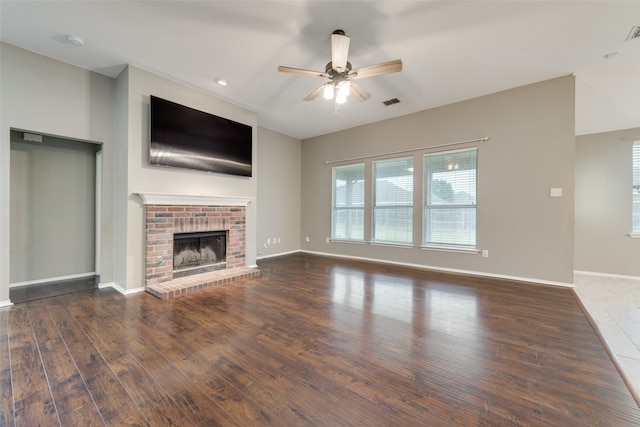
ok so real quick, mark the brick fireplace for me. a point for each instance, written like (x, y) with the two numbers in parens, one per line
(167, 215)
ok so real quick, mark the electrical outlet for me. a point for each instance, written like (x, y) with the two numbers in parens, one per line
(306, 239)
(485, 253)
(268, 241)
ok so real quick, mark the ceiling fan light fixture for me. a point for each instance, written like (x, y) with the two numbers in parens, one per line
(328, 91)
(341, 98)
(344, 87)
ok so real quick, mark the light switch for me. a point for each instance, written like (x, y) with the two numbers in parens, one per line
(555, 192)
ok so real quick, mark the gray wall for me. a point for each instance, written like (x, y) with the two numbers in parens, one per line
(121, 166)
(279, 193)
(603, 204)
(529, 235)
(53, 208)
(53, 98)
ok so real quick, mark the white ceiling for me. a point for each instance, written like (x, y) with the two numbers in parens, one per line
(451, 50)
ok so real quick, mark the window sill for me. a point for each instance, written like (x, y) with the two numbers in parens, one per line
(338, 240)
(393, 244)
(634, 235)
(450, 249)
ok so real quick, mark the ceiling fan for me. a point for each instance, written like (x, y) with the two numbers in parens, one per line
(340, 73)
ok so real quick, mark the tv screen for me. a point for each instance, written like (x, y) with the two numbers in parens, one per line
(187, 138)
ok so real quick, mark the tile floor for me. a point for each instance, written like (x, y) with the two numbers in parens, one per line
(614, 304)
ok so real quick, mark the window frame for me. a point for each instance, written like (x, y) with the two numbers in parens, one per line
(335, 208)
(374, 207)
(449, 246)
(635, 189)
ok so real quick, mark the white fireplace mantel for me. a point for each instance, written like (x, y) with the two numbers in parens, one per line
(192, 199)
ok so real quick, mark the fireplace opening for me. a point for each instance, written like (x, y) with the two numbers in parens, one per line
(195, 253)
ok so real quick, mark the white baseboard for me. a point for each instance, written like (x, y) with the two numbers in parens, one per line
(606, 275)
(279, 254)
(6, 303)
(120, 289)
(596, 273)
(450, 270)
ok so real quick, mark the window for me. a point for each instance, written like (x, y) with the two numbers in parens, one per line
(348, 202)
(636, 188)
(393, 201)
(450, 199)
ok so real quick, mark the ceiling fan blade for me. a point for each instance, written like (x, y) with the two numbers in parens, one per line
(359, 93)
(313, 95)
(339, 50)
(284, 69)
(376, 70)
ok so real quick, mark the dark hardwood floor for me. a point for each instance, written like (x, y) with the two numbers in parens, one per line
(313, 341)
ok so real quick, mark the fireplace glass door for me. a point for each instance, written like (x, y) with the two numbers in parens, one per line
(199, 252)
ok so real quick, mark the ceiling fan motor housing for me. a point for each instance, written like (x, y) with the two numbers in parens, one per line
(331, 72)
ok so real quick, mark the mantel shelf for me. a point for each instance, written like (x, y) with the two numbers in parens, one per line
(192, 199)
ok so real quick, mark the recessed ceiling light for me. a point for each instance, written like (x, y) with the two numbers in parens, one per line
(221, 82)
(75, 40)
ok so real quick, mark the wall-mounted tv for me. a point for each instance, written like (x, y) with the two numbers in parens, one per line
(187, 138)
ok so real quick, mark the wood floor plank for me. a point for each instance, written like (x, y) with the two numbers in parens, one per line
(112, 399)
(67, 386)
(535, 408)
(294, 353)
(33, 402)
(153, 401)
(155, 387)
(148, 392)
(316, 341)
(197, 368)
(6, 388)
(314, 399)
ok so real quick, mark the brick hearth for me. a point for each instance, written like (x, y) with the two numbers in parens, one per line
(188, 284)
(163, 221)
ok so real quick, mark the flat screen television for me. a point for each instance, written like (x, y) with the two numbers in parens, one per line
(184, 137)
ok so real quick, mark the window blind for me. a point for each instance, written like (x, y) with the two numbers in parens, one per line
(348, 202)
(393, 200)
(450, 180)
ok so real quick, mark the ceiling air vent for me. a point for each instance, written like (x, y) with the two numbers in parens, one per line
(391, 101)
(635, 33)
